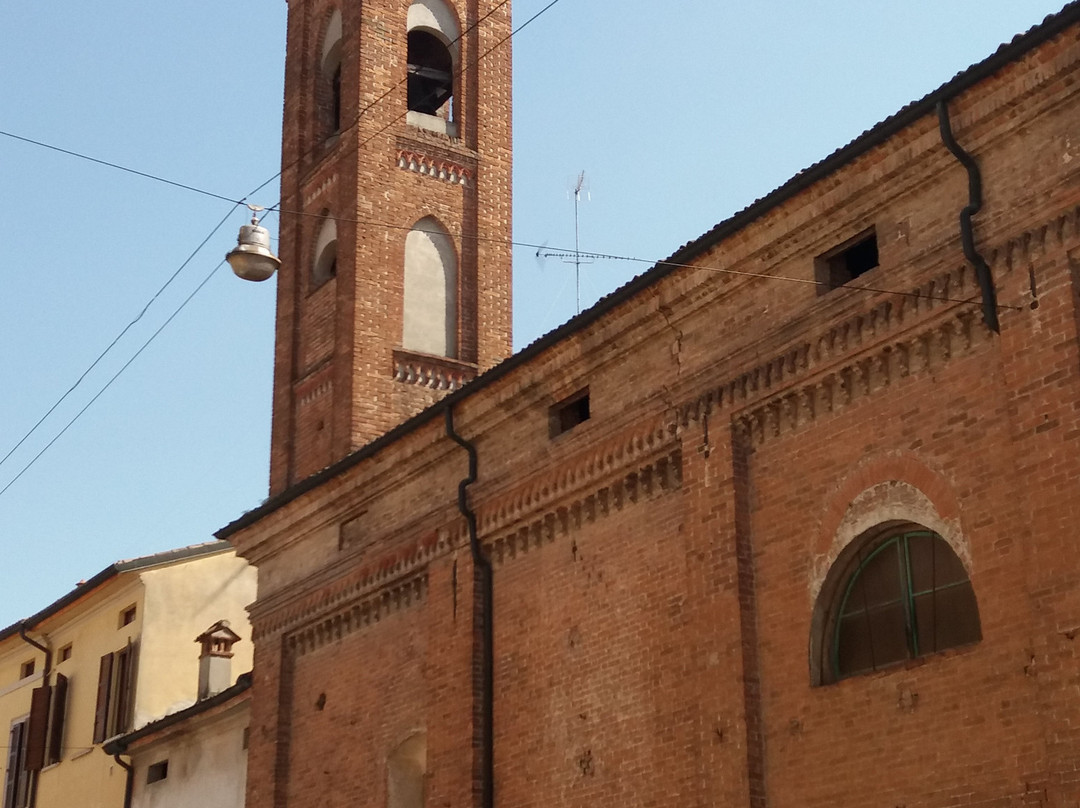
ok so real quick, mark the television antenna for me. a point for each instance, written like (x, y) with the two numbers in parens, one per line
(574, 257)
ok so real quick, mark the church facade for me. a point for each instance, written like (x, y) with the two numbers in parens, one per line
(788, 520)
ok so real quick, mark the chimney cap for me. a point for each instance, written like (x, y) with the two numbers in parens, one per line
(218, 638)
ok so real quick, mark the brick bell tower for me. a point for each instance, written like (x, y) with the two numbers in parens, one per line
(395, 218)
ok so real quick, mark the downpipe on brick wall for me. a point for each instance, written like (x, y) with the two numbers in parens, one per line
(482, 566)
(967, 236)
(45, 674)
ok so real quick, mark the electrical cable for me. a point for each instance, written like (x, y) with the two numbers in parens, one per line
(600, 256)
(236, 203)
(393, 88)
(114, 377)
(118, 167)
(119, 336)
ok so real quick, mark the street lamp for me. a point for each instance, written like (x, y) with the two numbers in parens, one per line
(251, 258)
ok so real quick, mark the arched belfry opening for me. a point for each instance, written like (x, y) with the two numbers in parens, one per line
(375, 324)
(430, 305)
(330, 74)
(432, 61)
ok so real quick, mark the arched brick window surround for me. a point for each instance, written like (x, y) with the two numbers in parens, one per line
(433, 58)
(328, 79)
(882, 492)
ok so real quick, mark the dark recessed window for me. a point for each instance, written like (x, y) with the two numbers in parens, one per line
(65, 653)
(907, 595)
(335, 100)
(847, 262)
(127, 617)
(157, 771)
(26, 669)
(431, 79)
(569, 412)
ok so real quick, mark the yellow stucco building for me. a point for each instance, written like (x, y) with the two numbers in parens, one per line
(112, 655)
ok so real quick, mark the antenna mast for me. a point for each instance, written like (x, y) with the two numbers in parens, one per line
(575, 256)
(577, 244)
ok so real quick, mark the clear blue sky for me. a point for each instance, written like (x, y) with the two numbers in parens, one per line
(680, 113)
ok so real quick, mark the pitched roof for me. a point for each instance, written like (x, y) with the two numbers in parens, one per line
(84, 588)
(1006, 54)
(119, 745)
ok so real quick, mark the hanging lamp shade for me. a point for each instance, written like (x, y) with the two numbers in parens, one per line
(251, 258)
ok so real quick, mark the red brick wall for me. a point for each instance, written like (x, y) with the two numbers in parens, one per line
(348, 328)
(658, 566)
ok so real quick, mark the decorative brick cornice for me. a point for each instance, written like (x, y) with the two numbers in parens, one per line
(315, 191)
(874, 349)
(359, 614)
(363, 594)
(602, 465)
(648, 481)
(1021, 249)
(444, 170)
(437, 373)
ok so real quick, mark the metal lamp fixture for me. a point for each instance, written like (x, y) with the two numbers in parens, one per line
(251, 258)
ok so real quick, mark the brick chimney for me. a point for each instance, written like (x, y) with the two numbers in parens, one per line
(215, 658)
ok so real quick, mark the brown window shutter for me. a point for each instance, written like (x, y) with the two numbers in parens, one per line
(125, 715)
(56, 721)
(39, 726)
(101, 714)
(14, 768)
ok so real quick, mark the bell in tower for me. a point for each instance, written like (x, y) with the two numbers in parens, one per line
(394, 288)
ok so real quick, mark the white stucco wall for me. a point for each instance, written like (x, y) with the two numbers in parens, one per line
(207, 763)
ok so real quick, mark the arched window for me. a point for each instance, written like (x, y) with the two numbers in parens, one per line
(898, 593)
(330, 73)
(405, 770)
(324, 265)
(430, 310)
(432, 55)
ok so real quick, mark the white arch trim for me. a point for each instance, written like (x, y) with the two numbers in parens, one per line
(331, 47)
(435, 17)
(430, 307)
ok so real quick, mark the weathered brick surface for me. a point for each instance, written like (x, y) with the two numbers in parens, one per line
(659, 568)
(344, 331)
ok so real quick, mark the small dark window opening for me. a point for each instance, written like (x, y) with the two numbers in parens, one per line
(908, 596)
(568, 413)
(26, 669)
(127, 617)
(335, 100)
(65, 653)
(157, 771)
(431, 78)
(847, 262)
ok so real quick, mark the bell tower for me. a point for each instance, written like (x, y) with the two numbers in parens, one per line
(395, 281)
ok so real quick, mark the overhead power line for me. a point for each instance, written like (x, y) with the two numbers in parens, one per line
(194, 189)
(118, 167)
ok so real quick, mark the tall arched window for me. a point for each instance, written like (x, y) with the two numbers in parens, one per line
(430, 309)
(898, 593)
(330, 74)
(406, 767)
(432, 56)
(324, 263)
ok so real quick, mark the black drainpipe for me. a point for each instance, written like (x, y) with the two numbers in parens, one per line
(45, 681)
(482, 568)
(982, 270)
(129, 784)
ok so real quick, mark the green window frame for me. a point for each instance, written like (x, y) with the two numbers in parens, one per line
(909, 596)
